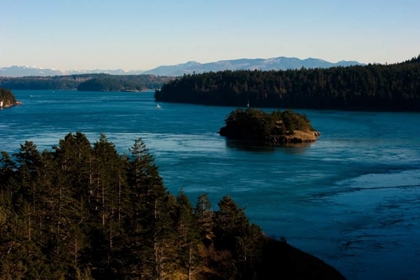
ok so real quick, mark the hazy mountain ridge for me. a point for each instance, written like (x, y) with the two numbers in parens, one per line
(190, 67)
(276, 63)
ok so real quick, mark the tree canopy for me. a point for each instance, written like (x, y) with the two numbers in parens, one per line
(82, 211)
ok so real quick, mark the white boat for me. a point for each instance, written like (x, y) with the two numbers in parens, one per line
(1, 104)
(157, 106)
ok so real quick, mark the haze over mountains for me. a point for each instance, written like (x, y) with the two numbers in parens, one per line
(276, 63)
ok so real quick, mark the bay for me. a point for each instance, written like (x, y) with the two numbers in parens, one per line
(351, 199)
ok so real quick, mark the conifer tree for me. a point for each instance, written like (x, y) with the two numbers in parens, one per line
(233, 234)
(204, 217)
(188, 235)
(106, 205)
(151, 221)
(7, 167)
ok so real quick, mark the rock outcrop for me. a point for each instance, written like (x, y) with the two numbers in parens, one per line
(7, 99)
(298, 137)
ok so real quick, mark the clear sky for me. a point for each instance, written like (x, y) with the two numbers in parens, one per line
(143, 34)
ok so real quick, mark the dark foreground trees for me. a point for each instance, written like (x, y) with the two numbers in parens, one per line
(82, 211)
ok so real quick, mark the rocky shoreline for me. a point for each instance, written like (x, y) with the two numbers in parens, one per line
(295, 139)
(298, 137)
(9, 105)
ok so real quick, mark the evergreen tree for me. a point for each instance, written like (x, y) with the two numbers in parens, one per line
(234, 234)
(106, 207)
(188, 235)
(204, 217)
(152, 207)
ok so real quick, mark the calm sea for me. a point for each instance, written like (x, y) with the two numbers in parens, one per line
(351, 199)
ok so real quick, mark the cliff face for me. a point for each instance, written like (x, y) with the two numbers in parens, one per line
(7, 99)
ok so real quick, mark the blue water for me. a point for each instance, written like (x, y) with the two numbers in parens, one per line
(351, 199)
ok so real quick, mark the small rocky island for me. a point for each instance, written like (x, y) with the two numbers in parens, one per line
(7, 99)
(276, 128)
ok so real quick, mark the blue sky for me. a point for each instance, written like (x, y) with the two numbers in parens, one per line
(140, 34)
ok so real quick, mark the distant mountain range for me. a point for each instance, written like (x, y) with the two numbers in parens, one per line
(276, 63)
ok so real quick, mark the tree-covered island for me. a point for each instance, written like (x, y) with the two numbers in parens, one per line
(275, 128)
(7, 99)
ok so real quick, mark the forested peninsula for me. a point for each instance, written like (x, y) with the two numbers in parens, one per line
(85, 82)
(394, 87)
(275, 128)
(7, 99)
(123, 83)
(82, 211)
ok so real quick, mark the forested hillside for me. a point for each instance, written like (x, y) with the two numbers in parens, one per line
(45, 83)
(85, 82)
(123, 83)
(82, 211)
(370, 87)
